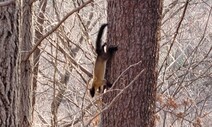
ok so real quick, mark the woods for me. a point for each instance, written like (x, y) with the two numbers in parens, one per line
(161, 73)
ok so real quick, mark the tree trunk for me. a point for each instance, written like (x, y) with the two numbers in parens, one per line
(15, 72)
(25, 69)
(134, 27)
(8, 65)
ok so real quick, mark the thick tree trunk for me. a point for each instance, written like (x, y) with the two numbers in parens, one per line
(133, 26)
(15, 72)
(8, 65)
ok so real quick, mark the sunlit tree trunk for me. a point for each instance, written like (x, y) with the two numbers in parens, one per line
(15, 71)
(134, 27)
(24, 67)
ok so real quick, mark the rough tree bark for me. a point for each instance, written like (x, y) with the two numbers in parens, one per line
(8, 64)
(134, 27)
(24, 67)
(15, 73)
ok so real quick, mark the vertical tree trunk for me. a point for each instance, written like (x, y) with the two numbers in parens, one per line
(8, 65)
(133, 26)
(25, 69)
(15, 72)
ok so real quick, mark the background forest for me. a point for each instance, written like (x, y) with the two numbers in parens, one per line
(64, 60)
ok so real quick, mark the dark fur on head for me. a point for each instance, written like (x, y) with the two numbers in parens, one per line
(100, 65)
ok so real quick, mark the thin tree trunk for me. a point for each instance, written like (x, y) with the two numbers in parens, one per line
(24, 69)
(134, 27)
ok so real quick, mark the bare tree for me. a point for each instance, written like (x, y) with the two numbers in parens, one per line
(184, 82)
(63, 60)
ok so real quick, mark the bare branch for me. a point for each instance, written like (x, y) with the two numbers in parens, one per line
(115, 99)
(175, 34)
(55, 28)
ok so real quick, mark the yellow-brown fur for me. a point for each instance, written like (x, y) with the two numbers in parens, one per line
(100, 63)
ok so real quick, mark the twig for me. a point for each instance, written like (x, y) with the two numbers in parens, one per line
(175, 34)
(132, 65)
(114, 99)
(55, 28)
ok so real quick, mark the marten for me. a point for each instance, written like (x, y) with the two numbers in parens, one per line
(103, 54)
